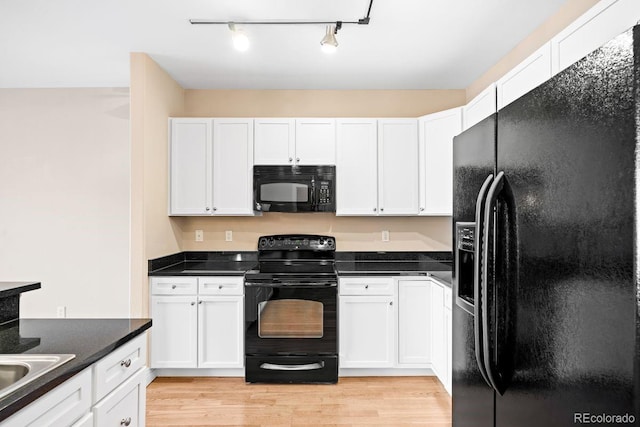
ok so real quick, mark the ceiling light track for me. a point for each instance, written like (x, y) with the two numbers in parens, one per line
(362, 21)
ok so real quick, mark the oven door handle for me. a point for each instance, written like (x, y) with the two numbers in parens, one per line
(305, 367)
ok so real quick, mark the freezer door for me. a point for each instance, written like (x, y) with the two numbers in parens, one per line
(568, 150)
(473, 162)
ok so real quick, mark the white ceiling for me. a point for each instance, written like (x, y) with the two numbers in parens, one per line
(409, 44)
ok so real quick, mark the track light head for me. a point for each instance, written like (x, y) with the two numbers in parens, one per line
(240, 39)
(329, 43)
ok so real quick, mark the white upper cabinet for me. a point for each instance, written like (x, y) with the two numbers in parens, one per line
(274, 141)
(398, 167)
(294, 141)
(480, 107)
(211, 163)
(190, 167)
(357, 167)
(529, 74)
(436, 161)
(315, 142)
(598, 25)
(233, 166)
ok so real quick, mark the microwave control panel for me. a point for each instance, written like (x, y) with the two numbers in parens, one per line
(324, 193)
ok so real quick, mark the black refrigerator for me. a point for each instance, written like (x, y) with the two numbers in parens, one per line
(546, 272)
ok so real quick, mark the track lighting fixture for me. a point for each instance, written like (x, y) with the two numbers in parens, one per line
(240, 39)
(329, 43)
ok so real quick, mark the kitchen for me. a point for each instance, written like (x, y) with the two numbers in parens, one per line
(155, 97)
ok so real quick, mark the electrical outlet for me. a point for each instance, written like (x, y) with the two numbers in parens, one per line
(199, 236)
(228, 236)
(385, 235)
(61, 311)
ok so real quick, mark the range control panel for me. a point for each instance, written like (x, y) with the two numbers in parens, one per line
(297, 241)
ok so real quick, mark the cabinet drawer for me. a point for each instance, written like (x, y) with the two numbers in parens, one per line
(221, 285)
(366, 286)
(174, 285)
(124, 406)
(62, 406)
(119, 365)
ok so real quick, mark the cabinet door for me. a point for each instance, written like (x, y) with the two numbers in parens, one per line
(315, 142)
(232, 166)
(221, 332)
(527, 75)
(190, 167)
(414, 321)
(174, 337)
(605, 20)
(439, 350)
(367, 331)
(274, 141)
(436, 161)
(357, 167)
(124, 406)
(480, 107)
(398, 166)
(448, 331)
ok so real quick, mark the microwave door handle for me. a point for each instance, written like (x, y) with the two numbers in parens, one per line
(313, 194)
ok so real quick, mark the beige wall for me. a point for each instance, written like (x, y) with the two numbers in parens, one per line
(155, 96)
(64, 199)
(319, 103)
(568, 13)
(351, 233)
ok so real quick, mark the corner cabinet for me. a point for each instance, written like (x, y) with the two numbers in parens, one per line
(377, 167)
(198, 322)
(211, 166)
(436, 161)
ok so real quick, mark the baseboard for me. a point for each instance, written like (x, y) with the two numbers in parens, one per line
(199, 372)
(385, 372)
(150, 375)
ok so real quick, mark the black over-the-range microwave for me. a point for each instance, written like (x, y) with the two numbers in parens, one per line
(294, 188)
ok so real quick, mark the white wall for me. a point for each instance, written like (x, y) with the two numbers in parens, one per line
(64, 199)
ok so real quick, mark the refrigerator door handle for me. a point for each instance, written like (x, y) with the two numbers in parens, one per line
(492, 197)
(477, 279)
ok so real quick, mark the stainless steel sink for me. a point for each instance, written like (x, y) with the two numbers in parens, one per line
(17, 370)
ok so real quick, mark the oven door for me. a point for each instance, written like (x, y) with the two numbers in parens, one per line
(290, 320)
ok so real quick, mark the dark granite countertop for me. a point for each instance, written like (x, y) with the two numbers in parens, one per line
(89, 339)
(204, 264)
(8, 289)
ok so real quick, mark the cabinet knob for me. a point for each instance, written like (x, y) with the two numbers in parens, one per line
(125, 363)
(173, 286)
(125, 421)
(381, 209)
(290, 159)
(215, 209)
(297, 159)
(219, 286)
(421, 209)
(208, 209)
(366, 286)
(199, 302)
(391, 303)
(375, 209)
(193, 303)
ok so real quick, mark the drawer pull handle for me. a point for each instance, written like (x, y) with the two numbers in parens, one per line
(366, 286)
(219, 286)
(173, 286)
(126, 364)
(125, 421)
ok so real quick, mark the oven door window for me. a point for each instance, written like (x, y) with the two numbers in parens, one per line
(284, 192)
(290, 318)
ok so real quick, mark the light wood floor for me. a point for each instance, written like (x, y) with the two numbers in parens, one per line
(366, 401)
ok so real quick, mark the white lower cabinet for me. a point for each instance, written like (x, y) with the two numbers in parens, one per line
(202, 330)
(111, 392)
(439, 356)
(124, 406)
(449, 338)
(414, 322)
(367, 331)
